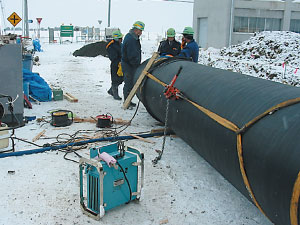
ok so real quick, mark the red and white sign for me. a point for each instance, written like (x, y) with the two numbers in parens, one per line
(39, 20)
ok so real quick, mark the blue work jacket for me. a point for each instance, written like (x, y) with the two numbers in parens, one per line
(191, 50)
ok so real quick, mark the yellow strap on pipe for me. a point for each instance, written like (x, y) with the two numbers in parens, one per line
(295, 202)
(244, 174)
(231, 126)
(270, 111)
(224, 122)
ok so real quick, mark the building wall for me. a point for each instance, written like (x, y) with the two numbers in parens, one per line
(240, 37)
(219, 15)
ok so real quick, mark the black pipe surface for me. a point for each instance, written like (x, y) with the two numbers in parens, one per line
(270, 147)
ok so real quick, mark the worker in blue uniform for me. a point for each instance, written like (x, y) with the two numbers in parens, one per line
(131, 56)
(190, 48)
(114, 54)
(169, 47)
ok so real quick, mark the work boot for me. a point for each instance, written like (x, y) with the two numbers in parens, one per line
(115, 93)
(132, 104)
(110, 92)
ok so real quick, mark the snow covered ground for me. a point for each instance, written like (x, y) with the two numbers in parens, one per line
(44, 188)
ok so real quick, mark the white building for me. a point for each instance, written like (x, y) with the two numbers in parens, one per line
(220, 23)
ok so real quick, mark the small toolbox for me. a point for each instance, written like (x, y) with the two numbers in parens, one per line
(58, 94)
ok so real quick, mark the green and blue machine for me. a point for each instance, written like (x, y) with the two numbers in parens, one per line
(106, 184)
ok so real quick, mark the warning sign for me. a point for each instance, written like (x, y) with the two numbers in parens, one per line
(39, 20)
(14, 19)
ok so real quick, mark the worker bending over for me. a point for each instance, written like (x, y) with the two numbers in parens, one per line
(131, 56)
(114, 54)
(190, 48)
(169, 47)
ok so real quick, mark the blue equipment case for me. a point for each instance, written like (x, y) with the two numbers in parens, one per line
(109, 187)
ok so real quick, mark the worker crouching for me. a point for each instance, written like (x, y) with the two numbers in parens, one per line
(114, 54)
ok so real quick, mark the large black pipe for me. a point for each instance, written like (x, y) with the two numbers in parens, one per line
(271, 147)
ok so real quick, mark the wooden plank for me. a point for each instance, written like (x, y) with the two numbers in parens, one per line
(120, 121)
(140, 138)
(157, 130)
(139, 81)
(165, 221)
(70, 97)
(84, 120)
(117, 121)
(59, 128)
(35, 100)
(161, 130)
(37, 137)
(96, 136)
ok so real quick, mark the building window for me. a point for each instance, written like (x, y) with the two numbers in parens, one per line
(273, 24)
(240, 24)
(295, 26)
(255, 24)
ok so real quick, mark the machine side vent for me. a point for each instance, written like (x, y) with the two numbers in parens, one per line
(93, 197)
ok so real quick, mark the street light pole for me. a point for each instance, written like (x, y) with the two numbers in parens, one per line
(231, 23)
(99, 21)
(109, 6)
(26, 27)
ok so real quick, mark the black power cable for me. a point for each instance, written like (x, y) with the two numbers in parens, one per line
(1, 110)
(72, 138)
(29, 142)
(129, 122)
(11, 110)
(129, 187)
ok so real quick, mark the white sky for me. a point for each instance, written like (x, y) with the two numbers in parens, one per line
(157, 15)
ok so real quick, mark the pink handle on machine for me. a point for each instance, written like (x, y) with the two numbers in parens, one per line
(107, 158)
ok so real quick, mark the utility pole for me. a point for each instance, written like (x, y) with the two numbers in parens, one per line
(26, 26)
(99, 21)
(3, 17)
(231, 23)
(109, 6)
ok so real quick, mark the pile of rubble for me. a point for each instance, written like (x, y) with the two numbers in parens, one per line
(269, 55)
(92, 50)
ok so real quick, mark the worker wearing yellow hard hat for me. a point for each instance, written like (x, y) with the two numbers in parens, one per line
(131, 56)
(114, 54)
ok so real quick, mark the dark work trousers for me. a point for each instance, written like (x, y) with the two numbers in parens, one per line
(115, 79)
(128, 72)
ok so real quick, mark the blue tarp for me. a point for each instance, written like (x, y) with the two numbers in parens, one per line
(37, 45)
(27, 61)
(38, 87)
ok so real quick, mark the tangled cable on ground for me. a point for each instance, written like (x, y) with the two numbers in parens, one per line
(129, 122)
(80, 135)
